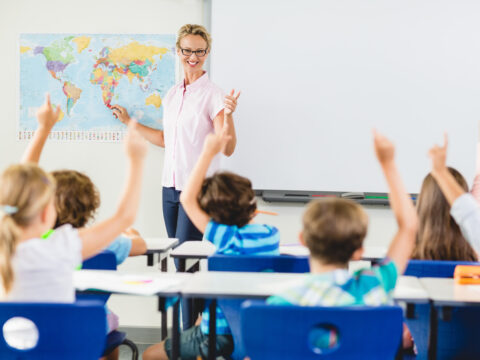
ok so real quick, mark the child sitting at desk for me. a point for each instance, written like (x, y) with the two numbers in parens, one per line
(222, 207)
(334, 230)
(76, 197)
(464, 208)
(41, 270)
(439, 237)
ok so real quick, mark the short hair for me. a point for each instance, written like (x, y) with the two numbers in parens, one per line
(76, 199)
(333, 229)
(228, 199)
(193, 29)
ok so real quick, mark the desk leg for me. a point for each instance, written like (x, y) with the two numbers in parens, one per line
(176, 331)
(150, 260)
(181, 264)
(432, 341)
(164, 263)
(212, 330)
(195, 267)
(163, 314)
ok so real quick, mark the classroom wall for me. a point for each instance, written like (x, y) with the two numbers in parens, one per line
(105, 162)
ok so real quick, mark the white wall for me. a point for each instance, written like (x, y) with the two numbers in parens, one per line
(104, 162)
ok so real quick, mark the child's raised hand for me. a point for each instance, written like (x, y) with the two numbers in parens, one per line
(384, 148)
(46, 115)
(215, 143)
(438, 155)
(231, 102)
(135, 144)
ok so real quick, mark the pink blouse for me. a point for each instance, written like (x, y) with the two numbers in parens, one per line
(188, 118)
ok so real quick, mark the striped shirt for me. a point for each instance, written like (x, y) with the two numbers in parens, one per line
(251, 239)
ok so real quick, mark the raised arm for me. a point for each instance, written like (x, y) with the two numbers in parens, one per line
(101, 234)
(152, 135)
(445, 180)
(402, 206)
(226, 117)
(214, 143)
(464, 208)
(47, 117)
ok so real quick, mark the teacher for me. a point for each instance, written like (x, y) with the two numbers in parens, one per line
(193, 108)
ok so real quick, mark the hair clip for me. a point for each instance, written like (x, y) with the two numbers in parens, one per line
(9, 209)
(253, 201)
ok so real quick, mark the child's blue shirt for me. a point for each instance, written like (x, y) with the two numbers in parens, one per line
(251, 239)
(121, 247)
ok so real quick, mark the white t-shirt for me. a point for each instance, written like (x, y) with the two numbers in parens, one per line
(44, 268)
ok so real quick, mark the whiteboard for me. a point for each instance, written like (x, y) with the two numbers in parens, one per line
(317, 75)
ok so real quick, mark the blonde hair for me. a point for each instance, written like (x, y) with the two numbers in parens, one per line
(193, 29)
(25, 190)
(333, 229)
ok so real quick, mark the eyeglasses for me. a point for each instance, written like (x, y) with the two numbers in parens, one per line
(199, 52)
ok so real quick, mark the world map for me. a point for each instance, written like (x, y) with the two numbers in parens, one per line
(86, 74)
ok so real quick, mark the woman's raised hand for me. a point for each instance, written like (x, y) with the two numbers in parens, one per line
(231, 102)
(121, 114)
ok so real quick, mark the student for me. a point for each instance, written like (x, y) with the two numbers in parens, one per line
(222, 207)
(464, 208)
(76, 197)
(439, 237)
(334, 230)
(76, 201)
(41, 270)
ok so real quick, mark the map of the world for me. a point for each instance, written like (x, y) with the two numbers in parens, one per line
(87, 74)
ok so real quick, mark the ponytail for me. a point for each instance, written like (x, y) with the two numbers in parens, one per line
(25, 190)
(9, 235)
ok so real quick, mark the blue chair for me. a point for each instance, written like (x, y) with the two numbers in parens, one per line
(431, 268)
(251, 263)
(288, 332)
(66, 331)
(106, 260)
(457, 326)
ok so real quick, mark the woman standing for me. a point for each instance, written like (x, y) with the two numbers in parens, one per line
(193, 108)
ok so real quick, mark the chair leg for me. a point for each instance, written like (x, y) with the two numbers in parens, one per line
(132, 347)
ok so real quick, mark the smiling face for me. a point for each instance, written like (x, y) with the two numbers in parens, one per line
(193, 63)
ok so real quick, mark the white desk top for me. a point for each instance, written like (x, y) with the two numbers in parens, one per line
(444, 291)
(166, 284)
(193, 249)
(410, 289)
(370, 253)
(160, 245)
(225, 284)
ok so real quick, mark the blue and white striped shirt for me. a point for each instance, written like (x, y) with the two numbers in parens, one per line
(251, 239)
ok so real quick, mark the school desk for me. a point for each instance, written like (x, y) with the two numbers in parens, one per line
(163, 285)
(159, 246)
(445, 293)
(229, 285)
(195, 250)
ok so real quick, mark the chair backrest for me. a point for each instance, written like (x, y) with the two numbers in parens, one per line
(259, 263)
(251, 263)
(434, 268)
(66, 331)
(288, 332)
(105, 260)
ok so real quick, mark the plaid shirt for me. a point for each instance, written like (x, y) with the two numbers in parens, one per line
(372, 287)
